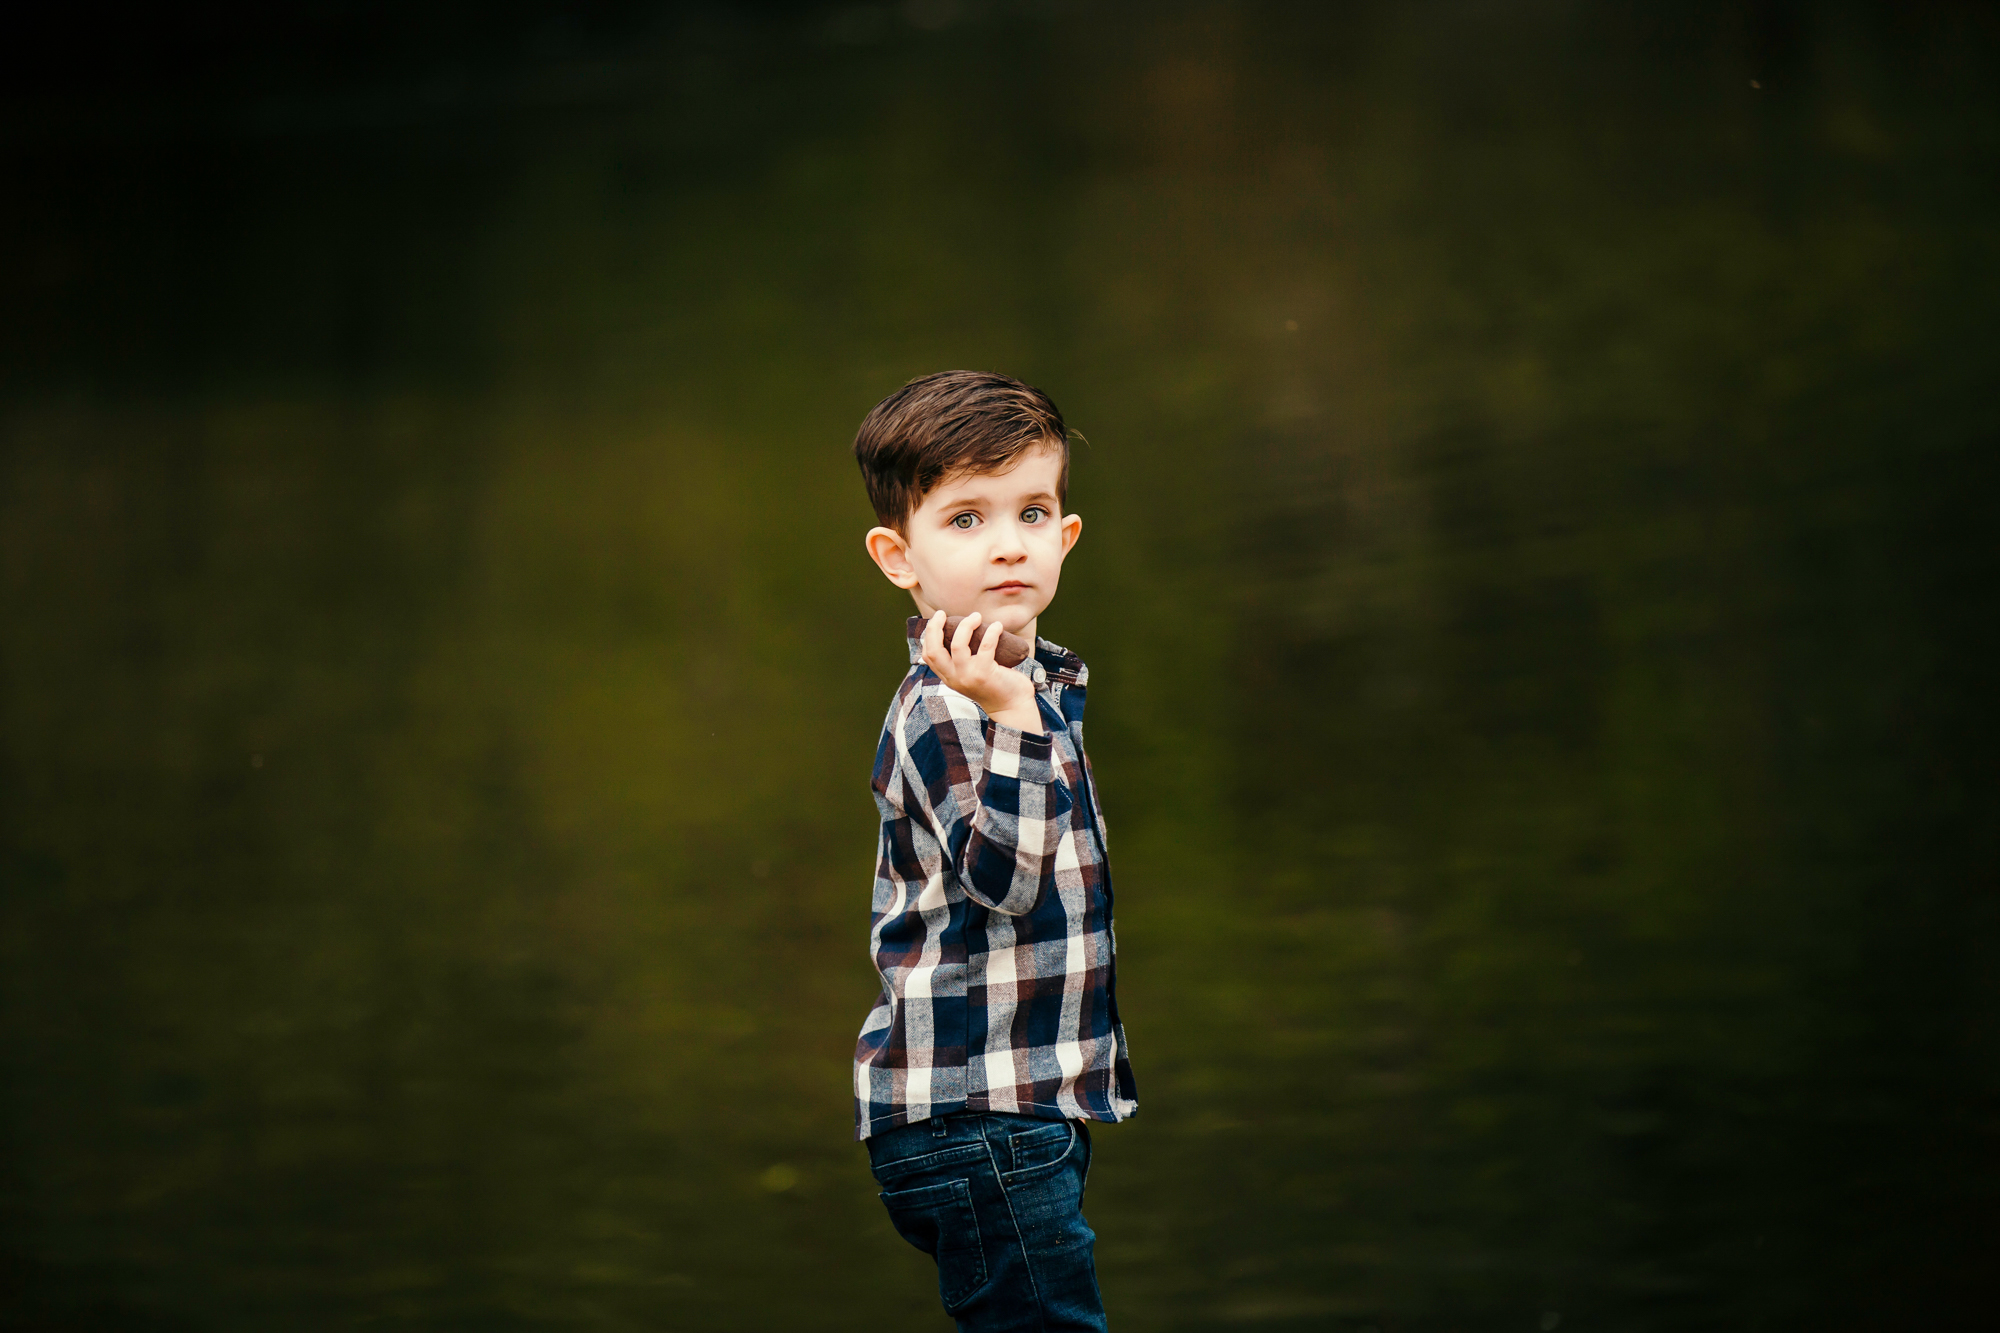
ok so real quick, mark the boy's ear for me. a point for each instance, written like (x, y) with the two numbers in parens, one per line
(1072, 528)
(891, 553)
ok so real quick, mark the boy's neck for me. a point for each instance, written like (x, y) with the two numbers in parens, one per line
(1028, 631)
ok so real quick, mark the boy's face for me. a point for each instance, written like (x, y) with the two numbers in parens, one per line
(989, 542)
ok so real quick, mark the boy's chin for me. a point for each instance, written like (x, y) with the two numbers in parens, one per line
(1013, 618)
(1018, 624)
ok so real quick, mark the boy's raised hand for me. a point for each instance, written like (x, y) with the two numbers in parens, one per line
(1007, 696)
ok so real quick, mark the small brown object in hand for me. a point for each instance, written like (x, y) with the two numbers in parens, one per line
(1013, 649)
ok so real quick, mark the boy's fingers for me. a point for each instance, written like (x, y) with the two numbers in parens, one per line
(936, 655)
(992, 642)
(961, 641)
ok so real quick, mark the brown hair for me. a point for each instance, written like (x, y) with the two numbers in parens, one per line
(948, 424)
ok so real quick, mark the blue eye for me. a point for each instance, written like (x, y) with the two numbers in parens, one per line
(1033, 514)
(964, 521)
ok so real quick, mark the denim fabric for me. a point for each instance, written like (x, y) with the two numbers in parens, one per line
(997, 1200)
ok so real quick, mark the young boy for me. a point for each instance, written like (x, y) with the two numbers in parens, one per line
(996, 1035)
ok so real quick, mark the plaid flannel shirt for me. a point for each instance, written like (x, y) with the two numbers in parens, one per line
(991, 923)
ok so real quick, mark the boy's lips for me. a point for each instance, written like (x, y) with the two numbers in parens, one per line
(1012, 585)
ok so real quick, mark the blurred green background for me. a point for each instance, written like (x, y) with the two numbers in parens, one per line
(1540, 629)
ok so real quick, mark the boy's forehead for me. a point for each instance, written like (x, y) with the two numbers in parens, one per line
(1036, 470)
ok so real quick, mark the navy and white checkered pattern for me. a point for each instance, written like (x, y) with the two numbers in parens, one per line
(992, 913)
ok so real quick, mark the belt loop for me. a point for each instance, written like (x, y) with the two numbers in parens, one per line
(938, 1128)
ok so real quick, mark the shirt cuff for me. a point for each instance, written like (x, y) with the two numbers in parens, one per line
(1014, 753)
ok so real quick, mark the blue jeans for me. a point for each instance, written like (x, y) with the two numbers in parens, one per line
(997, 1200)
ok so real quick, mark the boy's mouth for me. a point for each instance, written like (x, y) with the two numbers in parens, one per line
(1012, 585)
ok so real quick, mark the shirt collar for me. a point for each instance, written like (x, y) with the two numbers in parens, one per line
(1051, 663)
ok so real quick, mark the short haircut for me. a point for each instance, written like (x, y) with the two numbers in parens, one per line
(949, 424)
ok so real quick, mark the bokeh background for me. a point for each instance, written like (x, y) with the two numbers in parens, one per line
(1538, 580)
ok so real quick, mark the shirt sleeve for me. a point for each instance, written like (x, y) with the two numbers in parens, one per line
(992, 795)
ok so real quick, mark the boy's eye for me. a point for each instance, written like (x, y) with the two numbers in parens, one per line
(1033, 514)
(964, 521)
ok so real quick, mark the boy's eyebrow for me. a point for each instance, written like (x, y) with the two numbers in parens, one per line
(962, 502)
(955, 504)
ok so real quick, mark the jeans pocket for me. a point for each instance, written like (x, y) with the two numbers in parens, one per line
(1040, 1152)
(938, 1219)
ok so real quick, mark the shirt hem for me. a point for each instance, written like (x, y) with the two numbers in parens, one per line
(867, 1129)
